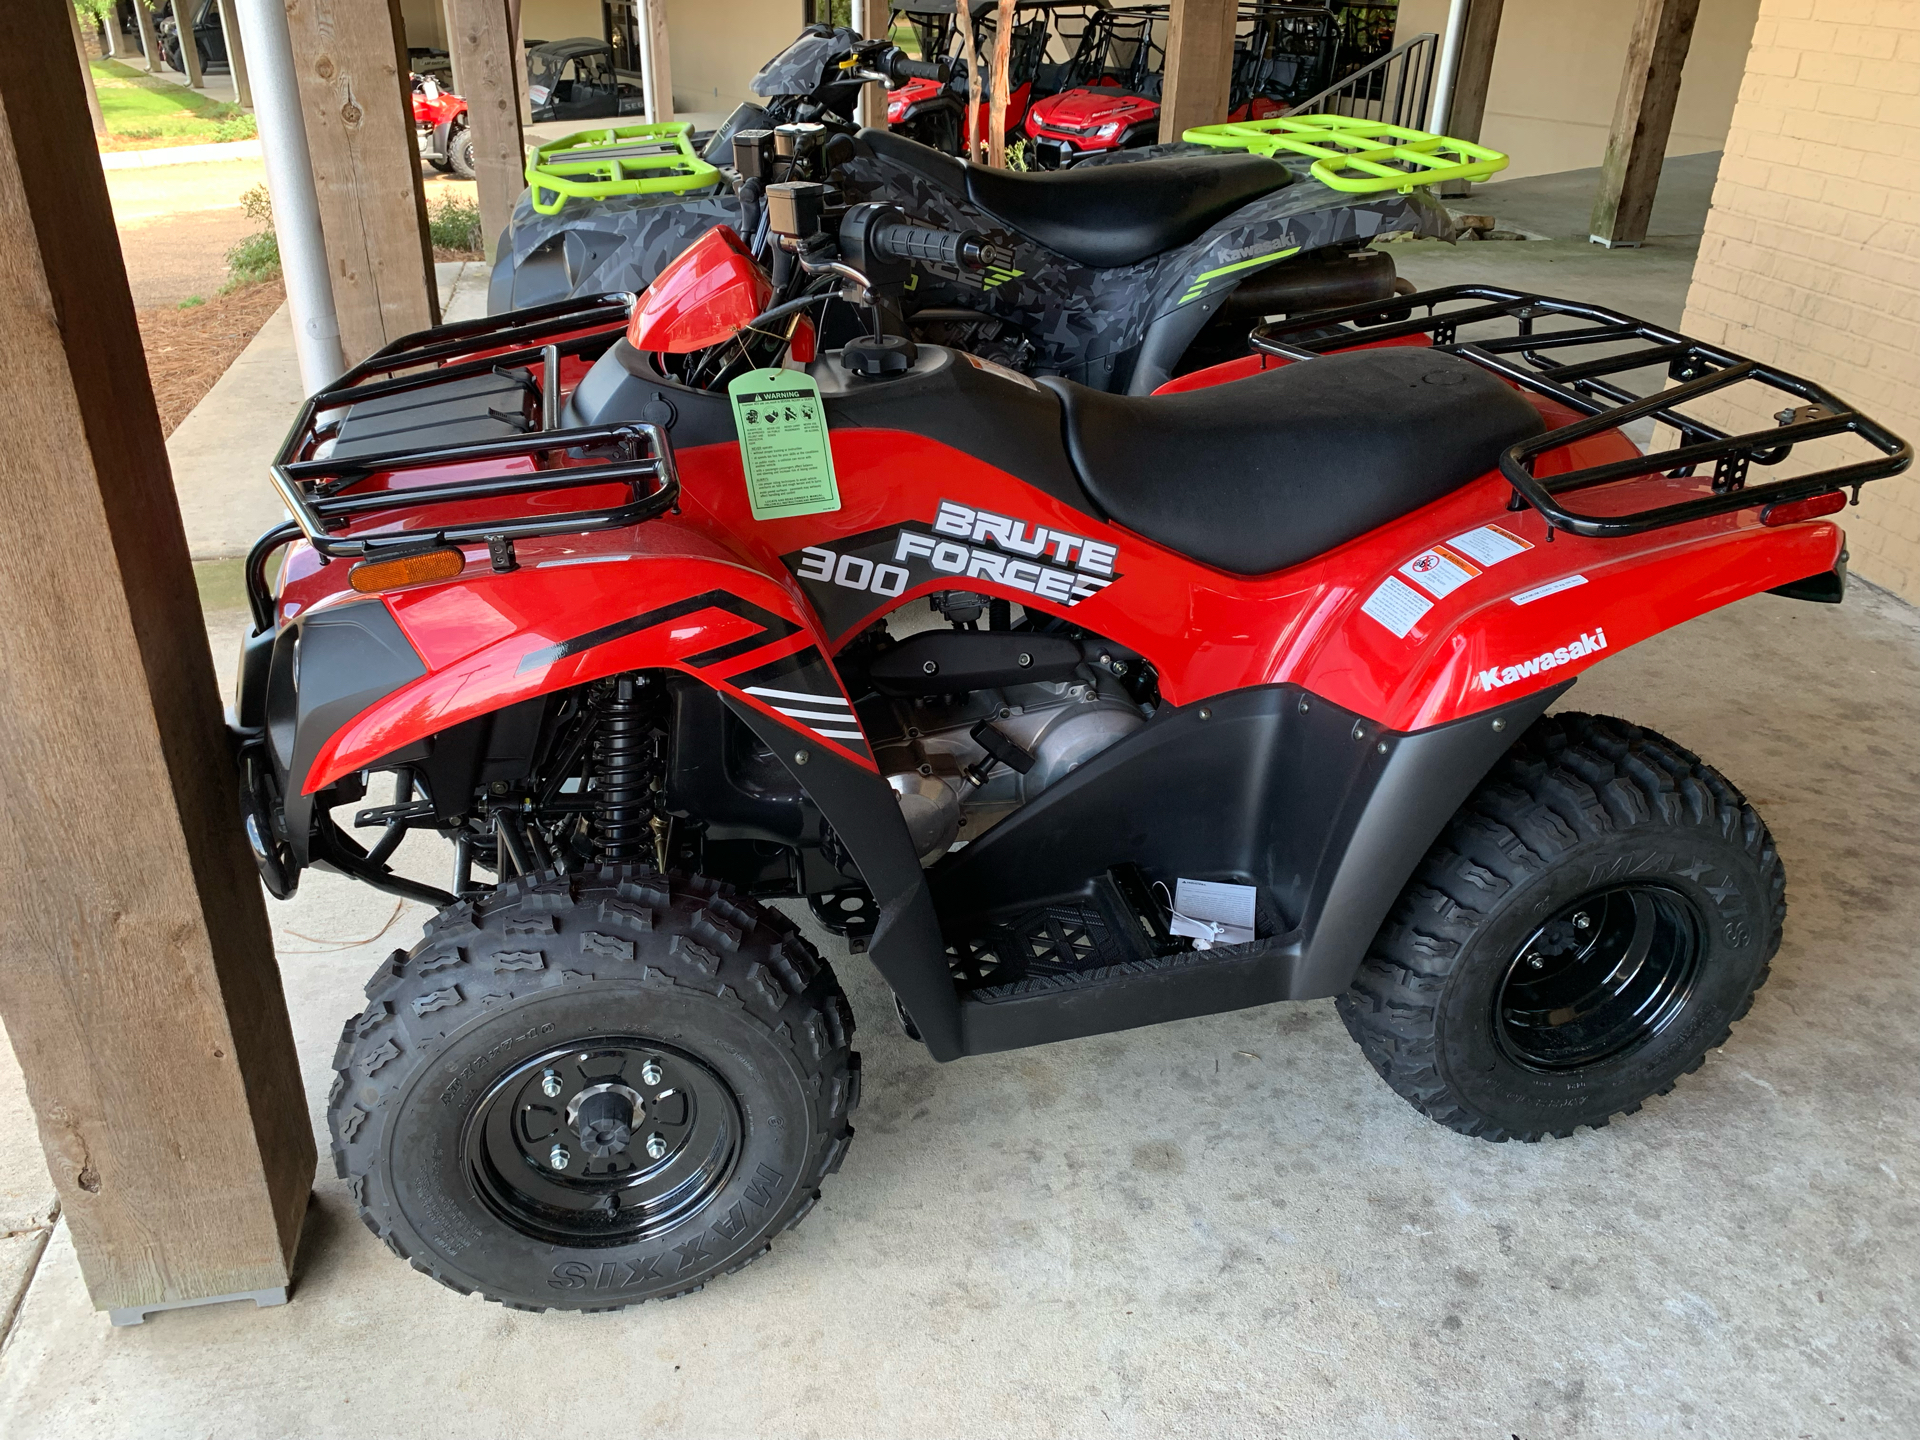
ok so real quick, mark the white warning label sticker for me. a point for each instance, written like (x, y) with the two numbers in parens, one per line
(1489, 544)
(1552, 587)
(1439, 573)
(1397, 606)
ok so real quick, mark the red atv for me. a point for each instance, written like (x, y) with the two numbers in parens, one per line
(440, 127)
(933, 109)
(1216, 697)
(1283, 55)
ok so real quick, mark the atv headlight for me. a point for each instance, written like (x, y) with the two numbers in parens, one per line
(1107, 131)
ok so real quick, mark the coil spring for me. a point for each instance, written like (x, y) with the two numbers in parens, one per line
(620, 766)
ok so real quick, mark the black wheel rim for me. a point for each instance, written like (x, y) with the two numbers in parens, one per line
(603, 1143)
(1602, 977)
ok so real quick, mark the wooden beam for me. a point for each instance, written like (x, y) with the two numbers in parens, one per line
(350, 56)
(1199, 67)
(1468, 109)
(480, 41)
(189, 48)
(236, 55)
(999, 92)
(1642, 117)
(657, 59)
(139, 988)
(149, 37)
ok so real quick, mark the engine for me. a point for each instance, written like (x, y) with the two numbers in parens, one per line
(965, 738)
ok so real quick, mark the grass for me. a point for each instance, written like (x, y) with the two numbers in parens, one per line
(142, 112)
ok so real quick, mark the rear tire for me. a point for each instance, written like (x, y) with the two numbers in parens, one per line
(460, 153)
(582, 1093)
(1593, 921)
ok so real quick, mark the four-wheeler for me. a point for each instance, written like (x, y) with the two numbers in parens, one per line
(1242, 697)
(933, 109)
(1121, 274)
(440, 127)
(1283, 54)
(576, 80)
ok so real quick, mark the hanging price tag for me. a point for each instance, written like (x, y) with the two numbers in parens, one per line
(782, 426)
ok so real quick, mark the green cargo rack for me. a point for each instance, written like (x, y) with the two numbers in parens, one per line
(1358, 156)
(624, 160)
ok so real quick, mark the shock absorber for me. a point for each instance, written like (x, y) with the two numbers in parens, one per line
(620, 764)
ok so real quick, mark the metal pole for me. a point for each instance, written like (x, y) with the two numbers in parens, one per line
(1449, 66)
(296, 206)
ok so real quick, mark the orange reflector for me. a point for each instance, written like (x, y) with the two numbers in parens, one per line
(1788, 511)
(370, 577)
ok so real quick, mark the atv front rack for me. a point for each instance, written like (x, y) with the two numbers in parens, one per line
(521, 352)
(623, 160)
(1579, 367)
(1361, 157)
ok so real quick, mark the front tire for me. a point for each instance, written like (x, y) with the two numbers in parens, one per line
(585, 1092)
(1593, 921)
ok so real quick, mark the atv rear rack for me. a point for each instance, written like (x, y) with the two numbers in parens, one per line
(521, 352)
(1538, 360)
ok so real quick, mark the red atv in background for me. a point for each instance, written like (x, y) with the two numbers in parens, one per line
(934, 110)
(1220, 696)
(1283, 54)
(440, 127)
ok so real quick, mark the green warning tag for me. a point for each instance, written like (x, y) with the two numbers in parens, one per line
(782, 427)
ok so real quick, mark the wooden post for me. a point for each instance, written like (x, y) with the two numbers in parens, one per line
(480, 40)
(1199, 66)
(1469, 108)
(1642, 116)
(236, 55)
(520, 62)
(656, 59)
(970, 52)
(998, 92)
(350, 56)
(139, 988)
(189, 47)
(86, 73)
(149, 36)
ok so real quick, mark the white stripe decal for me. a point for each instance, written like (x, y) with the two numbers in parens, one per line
(837, 734)
(828, 715)
(765, 693)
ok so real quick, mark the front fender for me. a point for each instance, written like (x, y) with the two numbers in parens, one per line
(558, 623)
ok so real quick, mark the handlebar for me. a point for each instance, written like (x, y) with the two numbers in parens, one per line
(957, 249)
(905, 69)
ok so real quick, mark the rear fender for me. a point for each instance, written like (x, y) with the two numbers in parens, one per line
(1431, 634)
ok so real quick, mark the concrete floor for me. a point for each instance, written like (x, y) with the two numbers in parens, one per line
(1229, 1225)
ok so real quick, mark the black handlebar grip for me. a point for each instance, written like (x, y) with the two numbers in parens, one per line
(939, 247)
(920, 69)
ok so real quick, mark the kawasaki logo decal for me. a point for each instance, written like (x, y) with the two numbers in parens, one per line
(1500, 676)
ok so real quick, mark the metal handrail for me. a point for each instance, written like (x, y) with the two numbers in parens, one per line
(1405, 86)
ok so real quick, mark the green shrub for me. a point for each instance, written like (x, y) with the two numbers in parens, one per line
(191, 301)
(453, 223)
(255, 258)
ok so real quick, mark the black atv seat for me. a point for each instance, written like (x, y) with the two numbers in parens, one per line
(1099, 215)
(1259, 474)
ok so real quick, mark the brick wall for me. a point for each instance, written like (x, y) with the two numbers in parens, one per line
(1811, 258)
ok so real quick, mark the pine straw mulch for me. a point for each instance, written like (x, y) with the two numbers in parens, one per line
(187, 350)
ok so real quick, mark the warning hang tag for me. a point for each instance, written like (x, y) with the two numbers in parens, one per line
(782, 426)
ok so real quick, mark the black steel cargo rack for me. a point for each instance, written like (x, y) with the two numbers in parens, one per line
(1536, 359)
(317, 468)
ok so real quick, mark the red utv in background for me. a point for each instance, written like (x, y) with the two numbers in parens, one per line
(1283, 54)
(440, 124)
